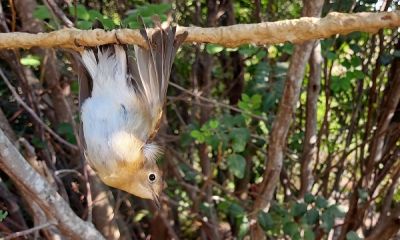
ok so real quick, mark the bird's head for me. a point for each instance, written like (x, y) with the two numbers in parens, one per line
(147, 182)
(138, 172)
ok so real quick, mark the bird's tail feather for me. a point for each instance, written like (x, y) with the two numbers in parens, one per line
(151, 67)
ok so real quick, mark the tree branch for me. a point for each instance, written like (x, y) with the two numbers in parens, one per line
(39, 190)
(281, 125)
(296, 31)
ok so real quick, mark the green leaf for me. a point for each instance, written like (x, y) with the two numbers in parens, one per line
(94, 14)
(85, 25)
(309, 234)
(243, 228)
(385, 59)
(352, 236)
(309, 198)
(30, 60)
(160, 8)
(64, 128)
(321, 202)
(341, 83)
(299, 209)
(214, 124)
(41, 12)
(363, 194)
(331, 55)
(256, 100)
(335, 211)
(67, 130)
(75, 87)
(214, 48)
(107, 23)
(280, 211)
(134, 25)
(328, 220)
(236, 211)
(237, 165)
(37, 142)
(3, 215)
(312, 216)
(356, 61)
(265, 220)
(291, 228)
(240, 137)
(248, 50)
(223, 206)
(140, 215)
(196, 134)
(358, 74)
(81, 12)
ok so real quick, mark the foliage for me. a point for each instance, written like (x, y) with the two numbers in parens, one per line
(3, 215)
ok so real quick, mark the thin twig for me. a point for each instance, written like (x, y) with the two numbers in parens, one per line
(28, 231)
(258, 117)
(13, 15)
(58, 13)
(64, 172)
(34, 115)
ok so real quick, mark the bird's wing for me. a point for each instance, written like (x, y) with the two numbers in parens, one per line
(150, 70)
(85, 90)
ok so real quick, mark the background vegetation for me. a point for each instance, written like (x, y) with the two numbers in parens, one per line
(341, 164)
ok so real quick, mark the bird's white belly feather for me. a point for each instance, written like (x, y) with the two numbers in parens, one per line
(113, 131)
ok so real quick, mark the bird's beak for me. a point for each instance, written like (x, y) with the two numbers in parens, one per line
(156, 199)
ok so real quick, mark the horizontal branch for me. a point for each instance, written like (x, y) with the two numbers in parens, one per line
(295, 31)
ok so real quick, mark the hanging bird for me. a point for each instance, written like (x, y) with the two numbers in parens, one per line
(121, 110)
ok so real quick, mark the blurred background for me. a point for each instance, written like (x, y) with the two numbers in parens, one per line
(341, 163)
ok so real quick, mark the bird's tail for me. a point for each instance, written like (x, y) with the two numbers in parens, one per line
(151, 67)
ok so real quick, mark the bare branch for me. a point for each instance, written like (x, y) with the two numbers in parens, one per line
(309, 154)
(39, 190)
(283, 119)
(296, 31)
(28, 231)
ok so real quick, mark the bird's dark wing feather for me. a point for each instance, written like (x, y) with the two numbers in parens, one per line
(150, 69)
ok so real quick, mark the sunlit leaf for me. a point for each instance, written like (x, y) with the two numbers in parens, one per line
(214, 49)
(140, 215)
(30, 60)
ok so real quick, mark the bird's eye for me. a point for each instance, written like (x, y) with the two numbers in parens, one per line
(152, 177)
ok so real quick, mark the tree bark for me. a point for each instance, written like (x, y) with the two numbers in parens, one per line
(309, 154)
(295, 31)
(33, 185)
(282, 122)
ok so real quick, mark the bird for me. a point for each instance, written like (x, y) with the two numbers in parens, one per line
(121, 105)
